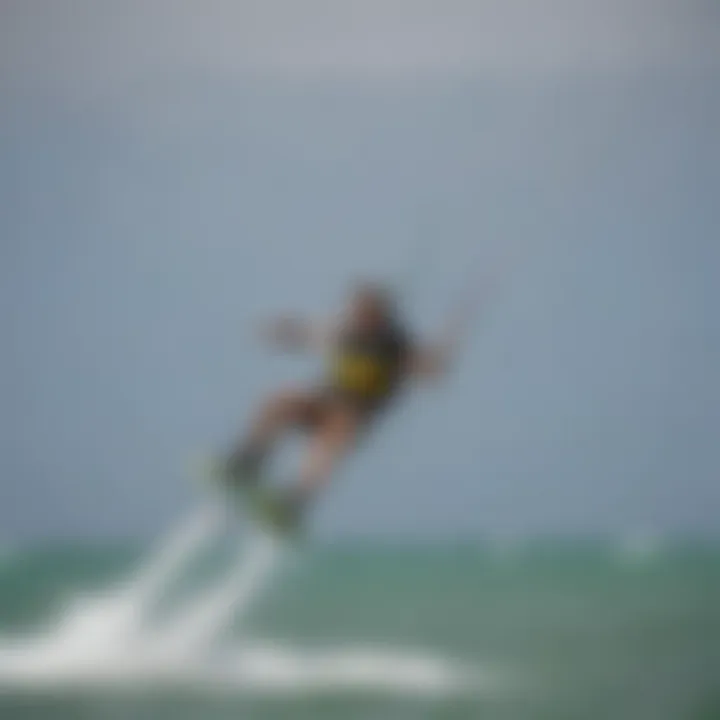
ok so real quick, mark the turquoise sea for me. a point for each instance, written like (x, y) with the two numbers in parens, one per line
(555, 629)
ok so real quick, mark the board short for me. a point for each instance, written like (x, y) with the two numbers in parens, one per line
(323, 398)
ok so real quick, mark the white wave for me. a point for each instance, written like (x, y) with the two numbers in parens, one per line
(102, 623)
(197, 624)
(264, 668)
(113, 640)
(171, 557)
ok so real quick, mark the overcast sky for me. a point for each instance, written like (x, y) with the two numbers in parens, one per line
(172, 170)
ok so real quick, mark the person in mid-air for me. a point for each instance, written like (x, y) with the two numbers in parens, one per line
(371, 358)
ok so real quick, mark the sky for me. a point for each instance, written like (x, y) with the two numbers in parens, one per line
(174, 171)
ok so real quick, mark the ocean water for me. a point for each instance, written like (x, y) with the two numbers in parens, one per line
(546, 629)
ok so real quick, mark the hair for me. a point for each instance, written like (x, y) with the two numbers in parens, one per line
(379, 292)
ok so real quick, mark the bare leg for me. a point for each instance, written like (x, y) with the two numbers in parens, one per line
(334, 439)
(275, 416)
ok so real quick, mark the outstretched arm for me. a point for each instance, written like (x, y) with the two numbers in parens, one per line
(435, 359)
(430, 362)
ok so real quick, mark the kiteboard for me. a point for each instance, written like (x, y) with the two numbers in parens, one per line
(251, 497)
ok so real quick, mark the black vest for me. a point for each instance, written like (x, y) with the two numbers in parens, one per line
(369, 366)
